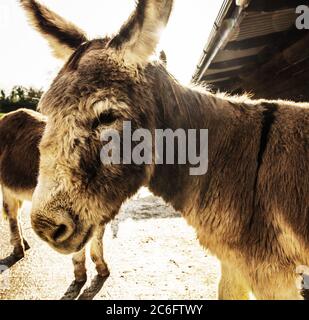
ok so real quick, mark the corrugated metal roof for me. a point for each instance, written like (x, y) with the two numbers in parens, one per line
(225, 55)
(251, 33)
(215, 71)
(257, 24)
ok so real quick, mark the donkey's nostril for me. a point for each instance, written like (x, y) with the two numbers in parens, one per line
(56, 229)
(60, 233)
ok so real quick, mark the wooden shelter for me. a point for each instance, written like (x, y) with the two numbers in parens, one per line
(255, 47)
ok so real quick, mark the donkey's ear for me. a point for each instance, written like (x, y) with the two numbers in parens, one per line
(139, 36)
(63, 36)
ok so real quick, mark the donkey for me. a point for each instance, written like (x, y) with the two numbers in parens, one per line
(20, 134)
(251, 209)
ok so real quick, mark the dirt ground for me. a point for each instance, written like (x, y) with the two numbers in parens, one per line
(151, 252)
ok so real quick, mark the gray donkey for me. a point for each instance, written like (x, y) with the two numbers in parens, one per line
(20, 134)
(251, 209)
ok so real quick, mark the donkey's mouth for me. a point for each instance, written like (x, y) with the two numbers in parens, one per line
(73, 245)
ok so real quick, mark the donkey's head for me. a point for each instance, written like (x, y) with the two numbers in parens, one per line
(101, 85)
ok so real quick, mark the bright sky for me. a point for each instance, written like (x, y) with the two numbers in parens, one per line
(25, 58)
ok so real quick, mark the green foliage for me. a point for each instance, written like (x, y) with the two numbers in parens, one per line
(19, 97)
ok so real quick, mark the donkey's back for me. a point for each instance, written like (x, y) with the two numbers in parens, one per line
(20, 135)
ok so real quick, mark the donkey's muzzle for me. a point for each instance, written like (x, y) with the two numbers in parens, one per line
(56, 230)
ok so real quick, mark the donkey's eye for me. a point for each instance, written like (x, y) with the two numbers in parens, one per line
(105, 118)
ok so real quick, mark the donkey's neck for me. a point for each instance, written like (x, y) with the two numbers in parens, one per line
(185, 108)
(178, 106)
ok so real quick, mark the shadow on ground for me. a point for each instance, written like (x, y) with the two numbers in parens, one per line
(11, 260)
(89, 293)
(8, 262)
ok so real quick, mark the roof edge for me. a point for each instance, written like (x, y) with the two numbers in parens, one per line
(221, 32)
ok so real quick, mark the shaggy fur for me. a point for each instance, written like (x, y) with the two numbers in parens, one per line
(20, 134)
(252, 207)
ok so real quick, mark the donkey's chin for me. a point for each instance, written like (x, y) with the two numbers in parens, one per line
(75, 244)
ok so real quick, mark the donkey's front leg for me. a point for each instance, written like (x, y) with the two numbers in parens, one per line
(232, 285)
(79, 262)
(96, 252)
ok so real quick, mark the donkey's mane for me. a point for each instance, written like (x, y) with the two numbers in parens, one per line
(177, 98)
(196, 99)
(195, 103)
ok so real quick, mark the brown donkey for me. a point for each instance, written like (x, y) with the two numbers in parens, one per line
(251, 209)
(20, 134)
